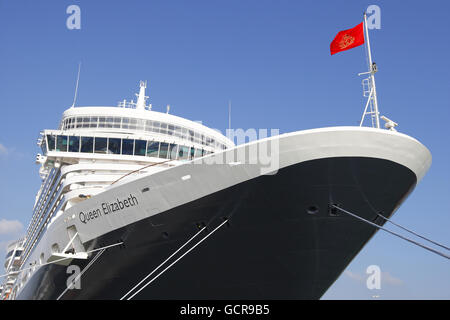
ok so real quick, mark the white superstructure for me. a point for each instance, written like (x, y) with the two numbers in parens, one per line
(94, 147)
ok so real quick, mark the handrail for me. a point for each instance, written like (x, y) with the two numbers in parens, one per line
(147, 166)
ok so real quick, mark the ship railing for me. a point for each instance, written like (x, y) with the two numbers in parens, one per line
(46, 206)
(45, 186)
(45, 216)
(48, 187)
(138, 171)
(127, 104)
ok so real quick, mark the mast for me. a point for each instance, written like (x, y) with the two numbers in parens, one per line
(372, 98)
(140, 104)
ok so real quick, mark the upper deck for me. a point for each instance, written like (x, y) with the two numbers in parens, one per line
(132, 129)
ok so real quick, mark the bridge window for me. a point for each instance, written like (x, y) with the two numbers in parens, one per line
(114, 145)
(87, 144)
(51, 142)
(152, 149)
(183, 153)
(44, 147)
(163, 150)
(127, 146)
(173, 151)
(74, 144)
(61, 143)
(101, 145)
(198, 153)
(139, 147)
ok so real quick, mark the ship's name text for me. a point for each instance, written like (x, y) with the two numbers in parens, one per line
(108, 208)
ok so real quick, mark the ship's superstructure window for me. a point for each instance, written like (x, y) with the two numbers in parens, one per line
(117, 122)
(51, 139)
(44, 146)
(127, 146)
(173, 151)
(61, 143)
(198, 153)
(104, 145)
(141, 125)
(101, 145)
(152, 149)
(74, 144)
(183, 153)
(163, 148)
(87, 144)
(114, 145)
(139, 147)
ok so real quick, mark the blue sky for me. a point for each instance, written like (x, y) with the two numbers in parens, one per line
(272, 60)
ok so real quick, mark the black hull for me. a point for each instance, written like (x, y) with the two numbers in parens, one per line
(275, 246)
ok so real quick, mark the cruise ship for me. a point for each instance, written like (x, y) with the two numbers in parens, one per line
(141, 204)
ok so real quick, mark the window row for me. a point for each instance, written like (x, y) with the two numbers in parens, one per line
(135, 147)
(140, 124)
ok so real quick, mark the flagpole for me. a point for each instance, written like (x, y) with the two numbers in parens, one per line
(372, 74)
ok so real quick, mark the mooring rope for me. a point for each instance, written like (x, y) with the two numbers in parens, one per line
(82, 272)
(393, 233)
(414, 233)
(154, 270)
(184, 254)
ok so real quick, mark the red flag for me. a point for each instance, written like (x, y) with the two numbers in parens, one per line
(348, 39)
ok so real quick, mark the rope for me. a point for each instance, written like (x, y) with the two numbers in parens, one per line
(393, 233)
(184, 254)
(146, 277)
(82, 272)
(418, 235)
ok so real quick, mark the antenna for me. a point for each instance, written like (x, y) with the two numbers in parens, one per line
(229, 114)
(76, 87)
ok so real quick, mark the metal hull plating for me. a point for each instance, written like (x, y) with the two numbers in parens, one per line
(281, 241)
